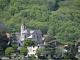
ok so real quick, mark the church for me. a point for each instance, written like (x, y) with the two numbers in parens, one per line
(30, 34)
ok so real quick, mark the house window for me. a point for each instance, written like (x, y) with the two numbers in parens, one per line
(46, 55)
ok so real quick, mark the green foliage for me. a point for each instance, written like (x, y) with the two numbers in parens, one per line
(62, 15)
(71, 52)
(9, 51)
(29, 42)
(13, 41)
(0, 58)
(59, 51)
(39, 51)
(4, 27)
(78, 59)
(23, 51)
(50, 48)
(3, 41)
(33, 57)
(14, 45)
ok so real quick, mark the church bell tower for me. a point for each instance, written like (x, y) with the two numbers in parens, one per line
(23, 28)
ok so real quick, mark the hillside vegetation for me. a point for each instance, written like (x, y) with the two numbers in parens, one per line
(59, 19)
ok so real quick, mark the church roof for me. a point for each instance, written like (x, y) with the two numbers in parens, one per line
(31, 31)
(25, 31)
(30, 36)
(37, 31)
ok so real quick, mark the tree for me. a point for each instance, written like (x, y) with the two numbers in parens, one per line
(14, 42)
(39, 51)
(51, 33)
(71, 52)
(14, 45)
(3, 37)
(24, 51)
(29, 42)
(4, 3)
(9, 51)
(73, 49)
(3, 42)
(53, 5)
(4, 27)
(50, 48)
(33, 57)
(42, 15)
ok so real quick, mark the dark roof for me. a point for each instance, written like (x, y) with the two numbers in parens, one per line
(54, 41)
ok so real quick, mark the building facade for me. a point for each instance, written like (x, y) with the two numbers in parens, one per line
(31, 34)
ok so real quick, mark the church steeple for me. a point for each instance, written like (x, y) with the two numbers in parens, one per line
(23, 28)
(23, 25)
(32, 34)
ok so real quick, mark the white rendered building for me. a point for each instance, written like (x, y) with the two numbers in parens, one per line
(32, 50)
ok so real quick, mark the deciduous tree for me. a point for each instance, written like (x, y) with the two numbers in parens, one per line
(9, 51)
(29, 42)
(24, 51)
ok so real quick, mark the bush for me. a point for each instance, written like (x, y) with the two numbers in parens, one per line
(24, 51)
(9, 50)
(0, 59)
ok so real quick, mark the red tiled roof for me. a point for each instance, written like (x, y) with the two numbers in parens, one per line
(43, 38)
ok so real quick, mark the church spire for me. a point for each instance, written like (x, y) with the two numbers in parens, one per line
(22, 21)
(23, 26)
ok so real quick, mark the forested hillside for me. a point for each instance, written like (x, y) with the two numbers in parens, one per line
(59, 19)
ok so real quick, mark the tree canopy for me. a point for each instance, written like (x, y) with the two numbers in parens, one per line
(23, 51)
(29, 42)
(39, 51)
(9, 51)
(3, 42)
(61, 17)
